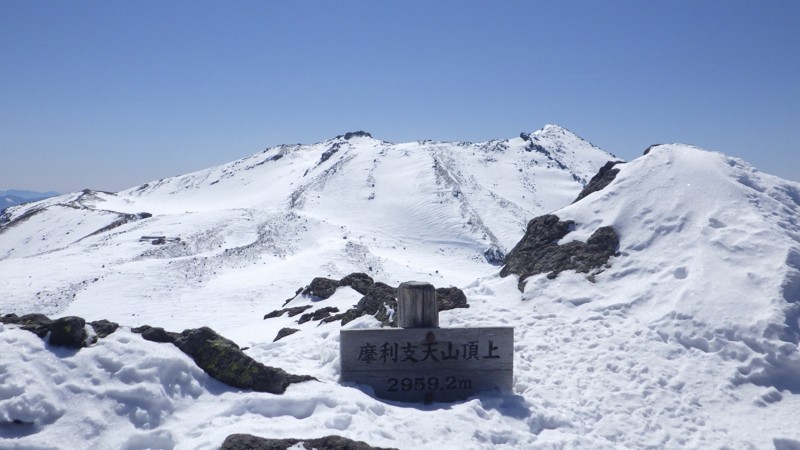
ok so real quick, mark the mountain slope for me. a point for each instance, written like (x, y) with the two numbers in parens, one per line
(13, 197)
(689, 338)
(254, 230)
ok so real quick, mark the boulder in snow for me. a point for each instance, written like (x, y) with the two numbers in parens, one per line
(222, 359)
(539, 252)
(68, 331)
(250, 442)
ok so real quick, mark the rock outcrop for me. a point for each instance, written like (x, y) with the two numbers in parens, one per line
(219, 357)
(223, 360)
(379, 300)
(290, 311)
(321, 287)
(38, 324)
(603, 178)
(250, 442)
(539, 252)
(360, 282)
(67, 331)
(283, 332)
(322, 313)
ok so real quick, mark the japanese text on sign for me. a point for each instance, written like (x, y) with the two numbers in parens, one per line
(386, 352)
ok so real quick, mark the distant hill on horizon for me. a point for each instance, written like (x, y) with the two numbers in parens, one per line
(12, 197)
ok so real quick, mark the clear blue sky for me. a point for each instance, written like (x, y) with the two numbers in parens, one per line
(111, 94)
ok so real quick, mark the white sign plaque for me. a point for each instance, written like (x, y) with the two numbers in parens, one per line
(429, 364)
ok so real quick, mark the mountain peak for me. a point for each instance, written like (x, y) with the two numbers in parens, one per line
(354, 134)
(553, 130)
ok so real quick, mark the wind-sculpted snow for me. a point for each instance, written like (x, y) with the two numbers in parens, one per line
(687, 338)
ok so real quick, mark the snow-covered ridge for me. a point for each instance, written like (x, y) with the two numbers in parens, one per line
(357, 204)
(688, 338)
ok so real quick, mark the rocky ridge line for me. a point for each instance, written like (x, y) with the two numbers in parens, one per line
(250, 442)
(219, 357)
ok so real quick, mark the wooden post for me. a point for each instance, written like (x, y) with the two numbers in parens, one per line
(417, 306)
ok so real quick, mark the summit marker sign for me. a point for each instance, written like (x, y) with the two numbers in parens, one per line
(426, 363)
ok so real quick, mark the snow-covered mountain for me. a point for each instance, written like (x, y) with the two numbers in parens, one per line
(249, 233)
(12, 197)
(687, 337)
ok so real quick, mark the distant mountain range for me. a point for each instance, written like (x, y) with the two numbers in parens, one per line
(14, 197)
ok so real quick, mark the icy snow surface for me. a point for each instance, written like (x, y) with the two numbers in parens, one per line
(687, 340)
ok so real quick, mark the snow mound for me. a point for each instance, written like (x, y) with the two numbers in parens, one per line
(689, 337)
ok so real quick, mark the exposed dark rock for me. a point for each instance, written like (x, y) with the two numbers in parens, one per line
(351, 134)
(276, 313)
(785, 444)
(69, 332)
(603, 178)
(541, 232)
(379, 300)
(379, 294)
(347, 316)
(360, 282)
(297, 310)
(160, 240)
(284, 332)
(156, 334)
(121, 220)
(328, 153)
(450, 298)
(319, 314)
(66, 331)
(322, 287)
(292, 311)
(222, 359)
(494, 255)
(39, 324)
(538, 251)
(103, 327)
(533, 147)
(647, 150)
(250, 442)
(297, 292)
